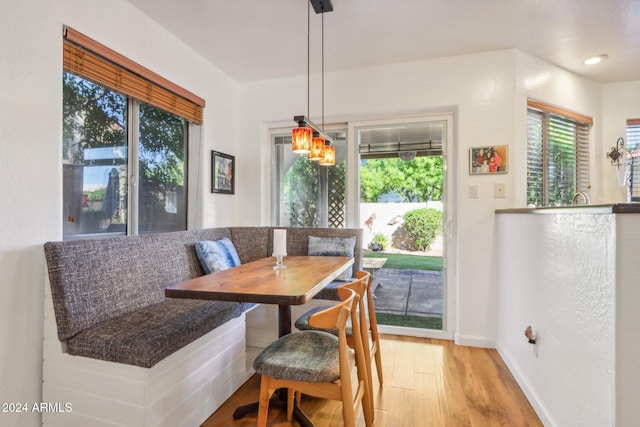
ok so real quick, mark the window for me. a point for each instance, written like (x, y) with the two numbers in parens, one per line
(124, 147)
(633, 147)
(307, 194)
(557, 155)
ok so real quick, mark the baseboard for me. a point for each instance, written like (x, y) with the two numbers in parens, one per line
(474, 341)
(414, 332)
(526, 388)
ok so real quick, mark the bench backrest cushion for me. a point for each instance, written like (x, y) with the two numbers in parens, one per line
(333, 246)
(251, 242)
(298, 240)
(98, 279)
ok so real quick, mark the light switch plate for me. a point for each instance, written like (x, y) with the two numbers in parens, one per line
(473, 191)
(500, 190)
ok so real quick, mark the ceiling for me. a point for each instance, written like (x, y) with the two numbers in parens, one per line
(266, 39)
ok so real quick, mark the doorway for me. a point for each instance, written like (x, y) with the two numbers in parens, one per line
(402, 207)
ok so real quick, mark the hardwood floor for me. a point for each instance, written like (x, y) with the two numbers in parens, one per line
(426, 383)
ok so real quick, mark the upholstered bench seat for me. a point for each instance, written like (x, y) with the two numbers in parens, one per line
(146, 336)
(148, 360)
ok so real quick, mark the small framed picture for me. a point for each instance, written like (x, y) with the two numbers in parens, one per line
(222, 173)
(492, 159)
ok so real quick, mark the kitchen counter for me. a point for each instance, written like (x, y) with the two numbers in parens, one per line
(616, 208)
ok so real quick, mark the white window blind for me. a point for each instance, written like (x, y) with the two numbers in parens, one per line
(633, 143)
(557, 155)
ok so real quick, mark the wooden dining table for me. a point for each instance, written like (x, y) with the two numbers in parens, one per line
(258, 282)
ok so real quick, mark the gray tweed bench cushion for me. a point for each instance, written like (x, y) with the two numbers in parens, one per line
(109, 301)
(148, 335)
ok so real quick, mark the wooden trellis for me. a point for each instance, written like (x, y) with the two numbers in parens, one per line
(337, 196)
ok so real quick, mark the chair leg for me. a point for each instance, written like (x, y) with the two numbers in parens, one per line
(348, 409)
(369, 371)
(263, 404)
(291, 394)
(378, 362)
(298, 398)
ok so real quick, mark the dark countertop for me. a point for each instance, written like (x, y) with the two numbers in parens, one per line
(613, 208)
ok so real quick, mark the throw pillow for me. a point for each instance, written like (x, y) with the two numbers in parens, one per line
(333, 246)
(217, 255)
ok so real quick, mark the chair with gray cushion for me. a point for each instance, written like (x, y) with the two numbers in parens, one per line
(369, 326)
(318, 363)
(359, 286)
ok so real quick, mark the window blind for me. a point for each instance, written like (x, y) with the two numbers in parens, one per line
(89, 59)
(557, 155)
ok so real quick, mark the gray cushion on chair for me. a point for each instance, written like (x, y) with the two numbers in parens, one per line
(310, 356)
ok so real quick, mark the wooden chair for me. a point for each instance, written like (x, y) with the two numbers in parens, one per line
(371, 335)
(372, 324)
(359, 286)
(318, 363)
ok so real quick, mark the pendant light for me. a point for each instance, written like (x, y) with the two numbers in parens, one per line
(317, 149)
(301, 140)
(329, 158)
(301, 137)
(307, 137)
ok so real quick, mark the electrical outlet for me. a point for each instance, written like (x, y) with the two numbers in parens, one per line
(500, 190)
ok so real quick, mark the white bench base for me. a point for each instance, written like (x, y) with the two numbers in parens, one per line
(184, 389)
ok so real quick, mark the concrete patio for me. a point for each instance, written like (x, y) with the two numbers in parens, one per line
(409, 292)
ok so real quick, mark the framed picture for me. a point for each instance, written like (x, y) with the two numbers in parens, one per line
(491, 159)
(222, 173)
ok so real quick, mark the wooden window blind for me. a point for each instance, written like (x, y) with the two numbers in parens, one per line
(557, 155)
(89, 59)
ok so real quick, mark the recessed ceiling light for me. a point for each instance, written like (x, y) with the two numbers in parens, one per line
(595, 59)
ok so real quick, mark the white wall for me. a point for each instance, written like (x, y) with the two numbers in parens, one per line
(487, 94)
(481, 90)
(477, 88)
(557, 274)
(537, 80)
(620, 101)
(30, 152)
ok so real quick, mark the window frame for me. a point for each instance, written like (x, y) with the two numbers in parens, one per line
(549, 129)
(87, 59)
(280, 142)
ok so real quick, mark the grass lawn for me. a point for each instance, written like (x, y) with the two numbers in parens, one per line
(409, 321)
(402, 261)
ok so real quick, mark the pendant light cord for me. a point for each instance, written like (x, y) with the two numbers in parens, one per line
(308, 54)
(323, 68)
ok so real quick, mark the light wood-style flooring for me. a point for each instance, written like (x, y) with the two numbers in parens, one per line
(426, 383)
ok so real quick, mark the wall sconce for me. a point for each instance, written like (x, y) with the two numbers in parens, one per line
(617, 152)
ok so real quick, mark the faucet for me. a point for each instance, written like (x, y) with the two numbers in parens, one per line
(574, 199)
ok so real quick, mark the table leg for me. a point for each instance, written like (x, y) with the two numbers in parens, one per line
(284, 320)
(279, 400)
